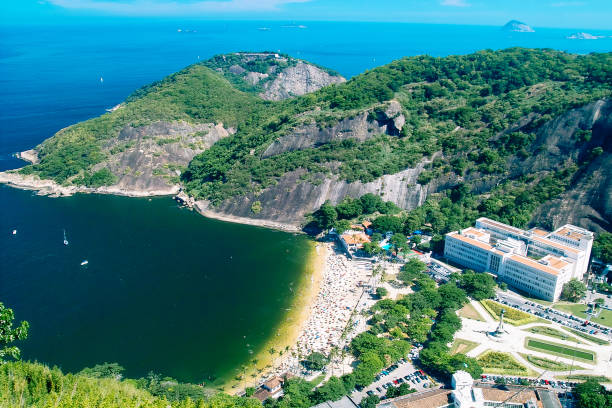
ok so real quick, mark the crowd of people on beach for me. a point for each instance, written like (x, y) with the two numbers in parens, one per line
(340, 290)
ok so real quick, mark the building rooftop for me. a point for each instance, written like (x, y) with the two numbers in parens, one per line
(273, 383)
(535, 264)
(427, 399)
(575, 233)
(345, 402)
(539, 232)
(520, 396)
(358, 238)
(501, 225)
(555, 244)
(470, 241)
(476, 232)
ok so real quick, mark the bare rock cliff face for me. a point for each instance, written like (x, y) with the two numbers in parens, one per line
(588, 202)
(361, 127)
(298, 80)
(292, 198)
(148, 159)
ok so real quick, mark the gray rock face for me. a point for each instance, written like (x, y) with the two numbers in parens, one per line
(291, 198)
(298, 80)
(149, 158)
(588, 201)
(361, 127)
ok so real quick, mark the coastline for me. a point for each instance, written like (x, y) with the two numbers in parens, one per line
(292, 326)
(51, 188)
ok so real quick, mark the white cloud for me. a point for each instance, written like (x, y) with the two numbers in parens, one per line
(454, 3)
(172, 7)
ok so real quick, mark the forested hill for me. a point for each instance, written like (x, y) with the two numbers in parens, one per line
(514, 130)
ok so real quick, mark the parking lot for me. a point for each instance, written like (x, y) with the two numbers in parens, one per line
(554, 315)
(393, 376)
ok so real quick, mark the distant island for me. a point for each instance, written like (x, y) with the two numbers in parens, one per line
(584, 36)
(517, 27)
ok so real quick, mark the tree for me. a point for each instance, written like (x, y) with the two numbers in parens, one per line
(249, 391)
(8, 334)
(349, 208)
(592, 395)
(573, 291)
(332, 390)
(105, 370)
(411, 270)
(386, 223)
(452, 296)
(369, 364)
(369, 402)
(602, 247)
(381, 292)
(399, 241)
(376, 237)
(370, 203)
(342, 226)
(371, 248)
(315, 361)
(326, 216)
(479, 286)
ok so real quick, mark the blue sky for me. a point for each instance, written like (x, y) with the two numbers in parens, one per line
(593, 14)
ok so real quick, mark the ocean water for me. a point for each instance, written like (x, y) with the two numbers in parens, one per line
(165, 289)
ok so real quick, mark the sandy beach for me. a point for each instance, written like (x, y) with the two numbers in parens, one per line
(325, 317)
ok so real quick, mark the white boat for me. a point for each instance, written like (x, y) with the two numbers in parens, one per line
(85, 262)
(14, 232)
(65, 240)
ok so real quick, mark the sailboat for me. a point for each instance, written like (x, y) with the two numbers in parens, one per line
(65, 240)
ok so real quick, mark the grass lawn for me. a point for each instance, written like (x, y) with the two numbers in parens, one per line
(511, 315)
(584, 377)
(559, 350)
(551, 332)
(468, 311)
(594, 339)
(496, 362)
(578, 309)
(462, 346)
(549, 365)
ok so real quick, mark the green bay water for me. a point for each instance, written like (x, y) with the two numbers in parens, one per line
(165, 289)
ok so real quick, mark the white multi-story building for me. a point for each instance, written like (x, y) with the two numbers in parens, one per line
(535, 261)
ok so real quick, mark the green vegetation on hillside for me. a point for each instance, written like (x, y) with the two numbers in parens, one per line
(35, 385)
(482, 93)
(457, 105)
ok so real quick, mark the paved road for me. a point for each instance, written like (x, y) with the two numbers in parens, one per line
(565, 319)
(403, 369)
